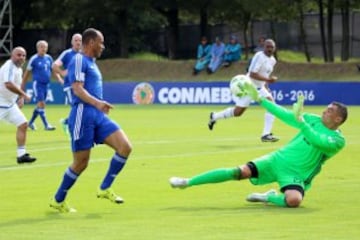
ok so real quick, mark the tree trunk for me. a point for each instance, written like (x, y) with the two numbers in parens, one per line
(303, 36)
(345, 44)
(322, 29)
(173, 33)
(204, 19)
(123, 34)
(330, 14)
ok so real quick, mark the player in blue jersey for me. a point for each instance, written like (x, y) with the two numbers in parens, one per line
(40, 67)
(60, 68)
(89, 123)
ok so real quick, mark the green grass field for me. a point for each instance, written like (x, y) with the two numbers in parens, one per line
(173, 141)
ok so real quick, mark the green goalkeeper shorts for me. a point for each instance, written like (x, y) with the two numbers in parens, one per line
(270, 171)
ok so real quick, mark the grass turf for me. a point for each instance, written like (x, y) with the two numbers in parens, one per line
(173, 141)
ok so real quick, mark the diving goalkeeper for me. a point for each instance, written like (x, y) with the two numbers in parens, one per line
(293, 166)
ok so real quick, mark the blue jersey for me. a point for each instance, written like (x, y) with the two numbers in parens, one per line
(87, 125)
(84, 69)
(40, 66)
(65, 57)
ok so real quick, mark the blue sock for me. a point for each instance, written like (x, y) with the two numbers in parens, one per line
(41, 112)
(116, 164)
(68, 181)
(34, 116)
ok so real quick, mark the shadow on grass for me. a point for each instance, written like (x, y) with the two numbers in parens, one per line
(52, 216)
(253, 209)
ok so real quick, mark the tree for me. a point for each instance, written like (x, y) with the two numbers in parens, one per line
(303, 36)
(345, 22)
(330, 14)
(169, 9)
(322, 29)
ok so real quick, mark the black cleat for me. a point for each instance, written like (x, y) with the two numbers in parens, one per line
(25, 159)
(211, 121)
(269, 138)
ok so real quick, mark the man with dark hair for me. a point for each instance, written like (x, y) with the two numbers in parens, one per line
(293, 166)
(89, 123)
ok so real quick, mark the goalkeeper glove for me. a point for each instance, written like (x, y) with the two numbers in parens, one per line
(250, 90)
(298, 108)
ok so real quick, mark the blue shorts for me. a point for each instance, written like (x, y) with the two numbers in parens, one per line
(89, 126)
(40, 91)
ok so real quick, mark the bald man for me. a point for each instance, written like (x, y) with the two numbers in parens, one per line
(12, 99)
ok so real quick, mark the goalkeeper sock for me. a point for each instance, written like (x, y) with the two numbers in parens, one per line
(215, 176)
(277, 199)
(226, 113)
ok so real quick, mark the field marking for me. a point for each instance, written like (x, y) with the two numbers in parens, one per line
(100, 160)
(168, 156)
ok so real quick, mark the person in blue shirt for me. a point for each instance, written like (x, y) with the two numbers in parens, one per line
(203, 56)
(217, 54)
(60, 68)
(232, 51)
(89, 123)
(40, 67)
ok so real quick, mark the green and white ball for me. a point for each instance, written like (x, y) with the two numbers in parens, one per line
(237, 84)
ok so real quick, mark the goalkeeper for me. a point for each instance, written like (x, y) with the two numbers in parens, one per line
(293, 166)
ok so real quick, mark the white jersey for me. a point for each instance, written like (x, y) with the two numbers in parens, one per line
(9, 72)
(263, 65)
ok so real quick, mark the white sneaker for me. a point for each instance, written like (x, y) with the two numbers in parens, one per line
(177, 182)
(260, 197)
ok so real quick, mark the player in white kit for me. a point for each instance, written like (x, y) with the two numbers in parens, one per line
(259, 72)
(12, 99)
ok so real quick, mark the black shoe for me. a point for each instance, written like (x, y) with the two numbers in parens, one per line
(211, 121)
(195, 72)
(25, 159)
(269, 138)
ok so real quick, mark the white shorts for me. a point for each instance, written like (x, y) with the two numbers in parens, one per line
(13, 115)
(245, 101)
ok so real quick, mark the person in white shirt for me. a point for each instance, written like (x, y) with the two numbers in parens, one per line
(12, 99)
(259, 72)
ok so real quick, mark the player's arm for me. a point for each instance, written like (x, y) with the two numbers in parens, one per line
(25, 78)
(58, 71)
(15, 89)
(329, 143)
(80, 92)
(259, 77)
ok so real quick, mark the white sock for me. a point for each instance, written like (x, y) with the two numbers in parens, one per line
(21, 151)
(269, 120)
(226, 113)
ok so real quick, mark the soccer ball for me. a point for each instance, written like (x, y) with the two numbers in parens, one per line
(237, 83)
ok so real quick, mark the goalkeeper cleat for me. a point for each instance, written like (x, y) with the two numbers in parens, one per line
(298, 107)
(109, 194)
(269, 138)
(260, 197)
(62, 207)
(211, 122)
(177, 182)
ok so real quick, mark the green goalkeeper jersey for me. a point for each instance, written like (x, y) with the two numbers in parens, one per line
(310, 148)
